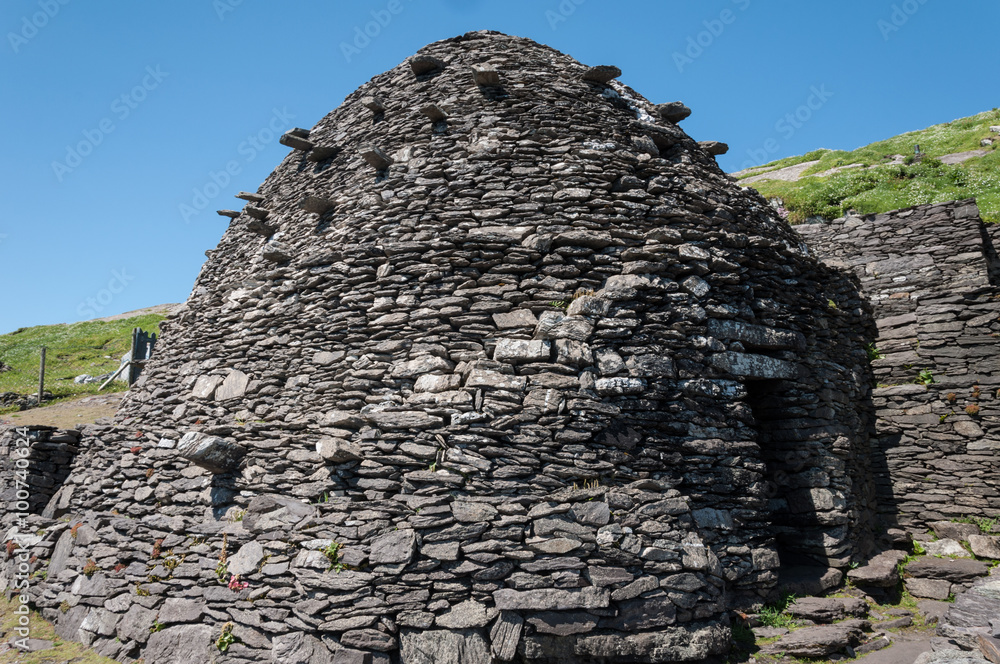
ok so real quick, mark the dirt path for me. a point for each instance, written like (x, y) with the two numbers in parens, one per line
(68, 414)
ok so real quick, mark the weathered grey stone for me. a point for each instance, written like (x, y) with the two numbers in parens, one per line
(177, 610)
(619, 386)
(180, 645)
(425, 64)
(269, 512)
(563, 623)
(299, 648)
(551, 600)
(522, 350)
(396, 547)
(950, 656)
(880, 572)
(954, 570)
(464, 616)
(468, 512)
(212, 453)
(409, 419)
(443, 647)
(985, 546)
(485, 76)
(421, 365)
(338, 450)
(953, 530)
(757, 336)
(753, 366)
(972, 613)
(369, 639)
(827, 609)
(602, 74)
(205, 386)
(674, 111)
(930, 588)
(820, 641)
(233, 387)
(505, 635)
(375, 157)
(247, 560)
(946, 547)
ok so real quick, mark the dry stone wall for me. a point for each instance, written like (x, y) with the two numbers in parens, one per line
(931, 273)
(36, 461)
(496, 366)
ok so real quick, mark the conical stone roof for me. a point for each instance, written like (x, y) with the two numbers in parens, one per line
(497, 361)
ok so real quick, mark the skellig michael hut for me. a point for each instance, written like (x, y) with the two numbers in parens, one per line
(496, 366)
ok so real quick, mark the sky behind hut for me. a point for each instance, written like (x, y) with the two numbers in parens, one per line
(128, 124)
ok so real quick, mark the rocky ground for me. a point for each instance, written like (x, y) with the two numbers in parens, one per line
(938, 601)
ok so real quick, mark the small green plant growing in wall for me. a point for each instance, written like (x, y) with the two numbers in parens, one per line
(873, 352)
(226, 637)
(332, 553)
(90, 568)
(925, 377)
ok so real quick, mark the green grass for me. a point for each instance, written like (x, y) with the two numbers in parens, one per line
(883, 187)
(63, 652)
(91, 347)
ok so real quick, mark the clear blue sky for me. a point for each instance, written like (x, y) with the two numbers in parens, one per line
(116, 114)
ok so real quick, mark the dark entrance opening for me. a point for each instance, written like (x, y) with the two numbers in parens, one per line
(808, 528)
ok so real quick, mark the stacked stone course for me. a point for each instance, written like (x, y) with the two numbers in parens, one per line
(932, 275)
(496, 366)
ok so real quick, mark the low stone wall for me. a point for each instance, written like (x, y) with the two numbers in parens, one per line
(930, 273)
(37, 459)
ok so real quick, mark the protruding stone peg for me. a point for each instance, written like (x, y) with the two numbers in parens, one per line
(232, 214)
(714, 148)
(248, 196)
(297, 139)
(256, 212)
(434, 113)
(487, 76)
(425, 64)
(322, 153)
(373, 103)
(673, 112)
(276, 252)
(376, 158)
(260, 228)
(316, 204)
(602, 74)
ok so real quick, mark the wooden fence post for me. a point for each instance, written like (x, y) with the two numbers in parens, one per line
(41, 377)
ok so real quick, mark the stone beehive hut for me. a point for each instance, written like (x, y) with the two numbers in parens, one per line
(497, 365)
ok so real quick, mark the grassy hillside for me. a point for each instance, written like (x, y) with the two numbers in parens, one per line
(91, 347)
(879, 187)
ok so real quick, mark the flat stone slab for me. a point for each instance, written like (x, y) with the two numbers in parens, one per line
(955, 570)
(953, 530)
(821, 641)
(985, 546)
(827, 609)
(880, 572)
(939, 589)
(951, 656)
(946, 547)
